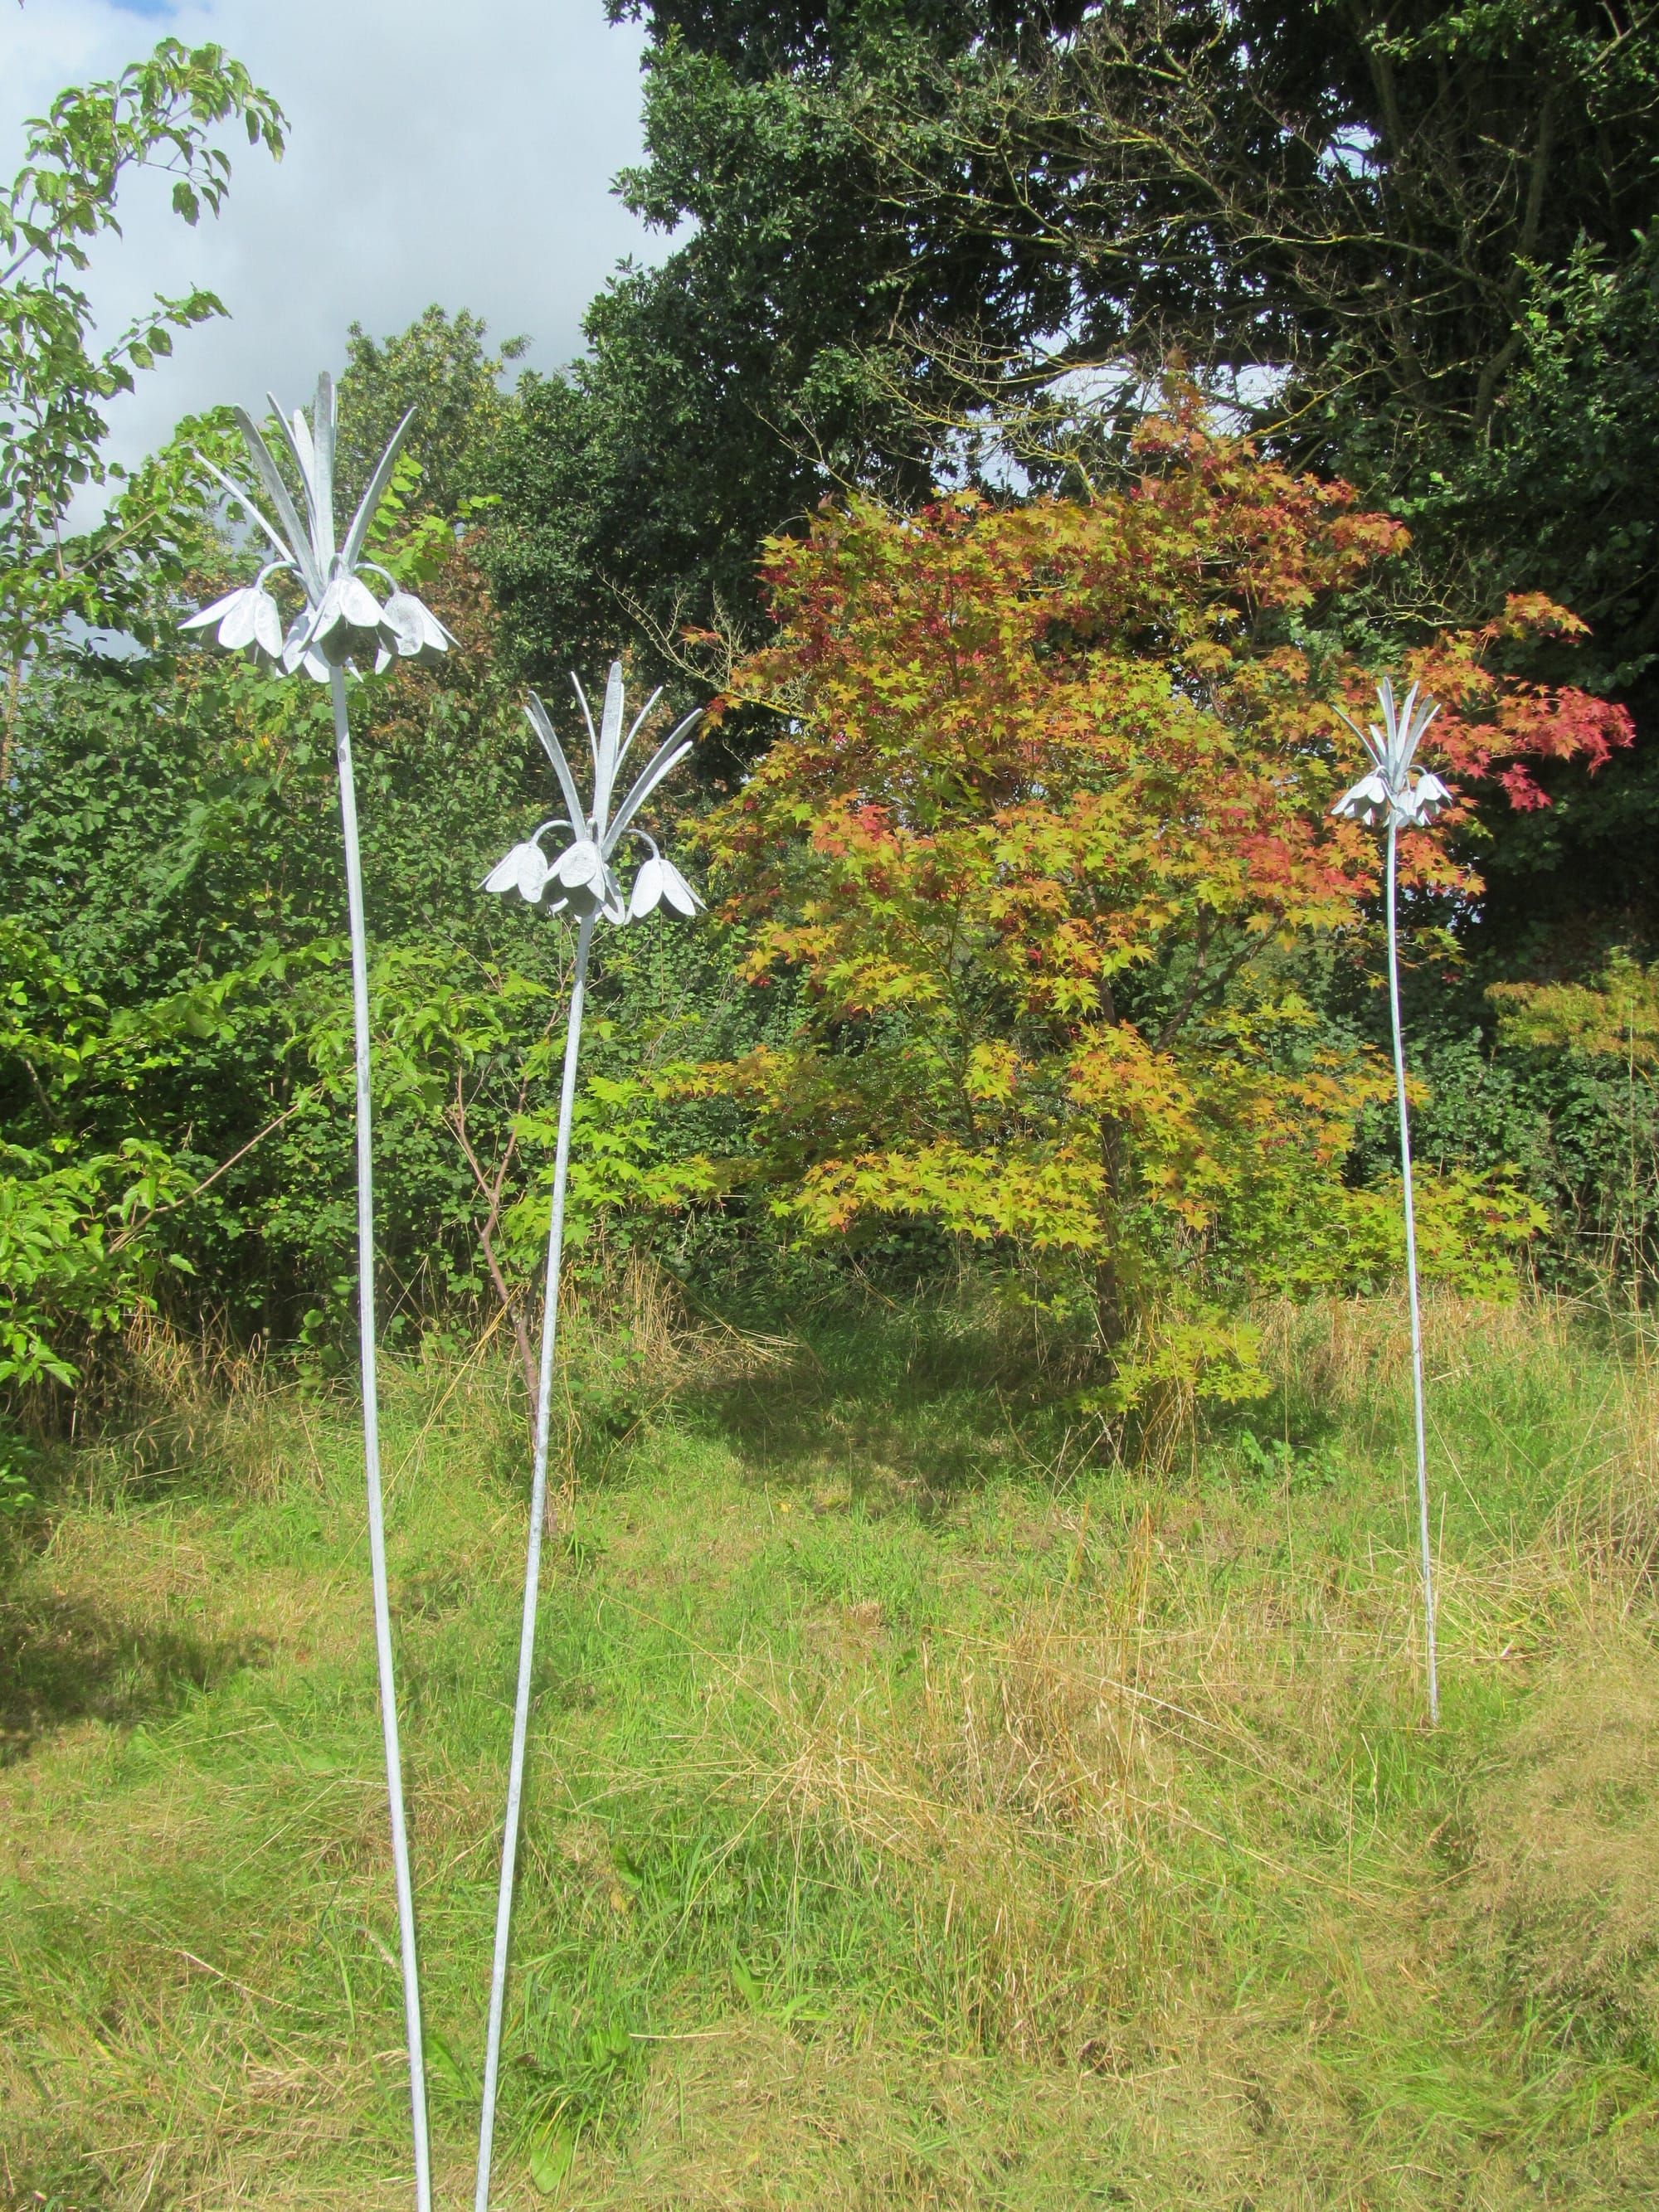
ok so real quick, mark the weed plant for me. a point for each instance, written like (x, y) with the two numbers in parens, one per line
(929, 1805)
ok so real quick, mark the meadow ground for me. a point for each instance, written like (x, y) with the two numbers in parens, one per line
(919, 1814)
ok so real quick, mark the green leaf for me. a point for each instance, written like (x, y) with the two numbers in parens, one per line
(454, 2076)
(551, 2157)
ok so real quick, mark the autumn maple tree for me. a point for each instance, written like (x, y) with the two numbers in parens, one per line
(1047, 836)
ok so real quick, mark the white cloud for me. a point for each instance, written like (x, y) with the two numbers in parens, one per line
(459, 151)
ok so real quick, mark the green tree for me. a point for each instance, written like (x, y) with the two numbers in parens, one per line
(440, 367)
(162, 113)
(766, 361)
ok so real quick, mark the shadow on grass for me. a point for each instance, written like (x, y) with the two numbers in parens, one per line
(63, 1659)
(918, 1412)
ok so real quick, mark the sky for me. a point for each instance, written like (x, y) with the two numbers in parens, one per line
(460, 151)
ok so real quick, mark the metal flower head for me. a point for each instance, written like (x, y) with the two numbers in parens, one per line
(341, 617)
(581, 880)
(1388, 788)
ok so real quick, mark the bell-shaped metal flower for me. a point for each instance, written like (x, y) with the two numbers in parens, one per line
(1389, 789)
(582, 880)
(342, 620)
(580, 883)
(410, 631)
(247, 620)
(1361, 802)
(348, 621)
(659, 882)
(1427, 797)
(525, 870)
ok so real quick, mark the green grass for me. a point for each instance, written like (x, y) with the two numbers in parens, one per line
(921, 1814)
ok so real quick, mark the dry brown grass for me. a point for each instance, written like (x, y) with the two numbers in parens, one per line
(1565, 1850)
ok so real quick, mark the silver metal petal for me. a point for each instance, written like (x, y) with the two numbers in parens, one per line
(542, 722)
(1385, 700)
(297, 436)
(676, 892)
(358, 605)
(413, 631)
(1370, 739)
(236, 630)
(666, 758)
(209, 615)
(347, 620)
(647, 887)
(592, 734)
(329, 631)
(299, 546)
(267, 625)
(399, 633)
(610, 741)
(581, 863)
(533, 872)
(504, 876)
(325, 415)
(637, 725)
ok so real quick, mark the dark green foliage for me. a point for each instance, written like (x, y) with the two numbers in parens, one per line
(1582, 1133)
(768, 361)
(176, 841)
(1425, 237)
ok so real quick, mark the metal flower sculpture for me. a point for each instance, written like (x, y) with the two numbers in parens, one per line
(579, 881)
(1389, 789)
(340, 620)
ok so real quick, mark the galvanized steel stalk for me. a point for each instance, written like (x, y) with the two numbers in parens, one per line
(532, 1571)
(371, 1445)
(1411, 1282)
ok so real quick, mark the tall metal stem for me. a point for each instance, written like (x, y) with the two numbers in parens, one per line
(394, 1777)
(1411, 1281)
(533, 1573)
